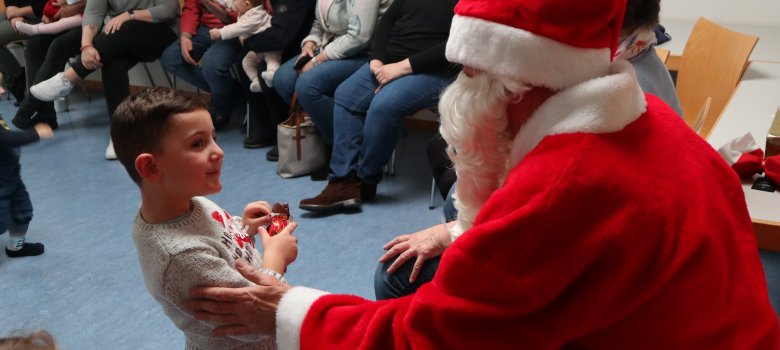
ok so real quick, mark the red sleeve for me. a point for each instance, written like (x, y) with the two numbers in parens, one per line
(586, 246)
(190, 16)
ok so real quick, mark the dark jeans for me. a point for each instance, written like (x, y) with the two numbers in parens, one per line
(16, 210)
(45, 56)
(134, 42)
(266, 109)
(396, 285)
(213, 73)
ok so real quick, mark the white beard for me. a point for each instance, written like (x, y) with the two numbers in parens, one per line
(474, 124)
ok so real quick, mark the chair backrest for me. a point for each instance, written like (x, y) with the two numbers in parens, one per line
(711, 66)
(662, 53)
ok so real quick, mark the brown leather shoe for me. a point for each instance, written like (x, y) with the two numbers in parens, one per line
(339, 194)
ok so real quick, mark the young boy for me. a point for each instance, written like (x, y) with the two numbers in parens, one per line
(15, 205)
(166, 141)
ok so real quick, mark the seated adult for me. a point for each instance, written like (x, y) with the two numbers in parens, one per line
(593, 230)
(45, 55)
(15, 11)
(406, 265)
(138, 30)
(338, 42)
(203, 62)
(290, 23)
(407, 73)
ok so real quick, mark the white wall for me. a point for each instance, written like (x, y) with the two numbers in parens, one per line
(755, 12)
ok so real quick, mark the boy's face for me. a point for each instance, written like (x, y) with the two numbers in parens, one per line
(191, 160)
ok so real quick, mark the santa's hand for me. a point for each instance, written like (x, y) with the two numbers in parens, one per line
(240, 311)
(422, 245)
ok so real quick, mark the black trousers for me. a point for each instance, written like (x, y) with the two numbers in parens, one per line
(134, 42)
(46, 56)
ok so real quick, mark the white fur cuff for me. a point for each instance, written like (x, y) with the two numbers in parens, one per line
(292, 310)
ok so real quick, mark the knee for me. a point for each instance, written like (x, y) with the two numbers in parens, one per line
(385, 286)
(171, 56)
(213, 66)
(306, 87)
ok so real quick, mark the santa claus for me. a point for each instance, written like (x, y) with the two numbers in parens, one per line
(590, 215)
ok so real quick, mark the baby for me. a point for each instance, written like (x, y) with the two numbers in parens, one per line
(52, 25)
(252, 19)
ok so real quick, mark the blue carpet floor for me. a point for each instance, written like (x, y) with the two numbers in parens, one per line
(87, 289)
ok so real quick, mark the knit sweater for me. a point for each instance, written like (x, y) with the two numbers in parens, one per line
(345, 28)
(198, 250)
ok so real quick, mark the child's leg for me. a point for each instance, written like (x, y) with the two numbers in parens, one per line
(272, 62)
(20, 209)
(249, 63)
(61, 25)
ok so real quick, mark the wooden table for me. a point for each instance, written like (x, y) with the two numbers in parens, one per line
(751, 109)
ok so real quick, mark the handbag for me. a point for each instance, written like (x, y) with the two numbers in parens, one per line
(301, 149)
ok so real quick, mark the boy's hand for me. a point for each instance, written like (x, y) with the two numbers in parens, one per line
(214, 34)
(280, 250)
(256, 214)
(44, 131)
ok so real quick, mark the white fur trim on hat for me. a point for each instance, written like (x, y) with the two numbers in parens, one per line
(522, 55)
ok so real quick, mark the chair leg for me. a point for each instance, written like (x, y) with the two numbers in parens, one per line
(167, 77)
(431, 203)
(148, 74)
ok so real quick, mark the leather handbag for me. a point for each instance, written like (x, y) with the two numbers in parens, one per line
(301, 149)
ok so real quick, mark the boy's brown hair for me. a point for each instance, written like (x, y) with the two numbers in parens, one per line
(141, 120)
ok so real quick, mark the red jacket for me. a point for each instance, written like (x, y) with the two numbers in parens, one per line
(193, 15)
(617, 230)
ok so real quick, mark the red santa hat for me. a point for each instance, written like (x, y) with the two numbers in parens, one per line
(551, 43)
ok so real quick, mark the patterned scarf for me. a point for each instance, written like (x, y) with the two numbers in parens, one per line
(636, 43)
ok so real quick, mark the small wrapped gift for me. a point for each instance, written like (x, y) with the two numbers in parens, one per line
(280, 216)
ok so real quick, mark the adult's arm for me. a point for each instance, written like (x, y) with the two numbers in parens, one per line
(190, 17)
(362, 18)
(285, 26)
(383, 29)
(430, 59)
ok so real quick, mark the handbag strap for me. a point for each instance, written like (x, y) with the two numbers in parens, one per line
(295, 110)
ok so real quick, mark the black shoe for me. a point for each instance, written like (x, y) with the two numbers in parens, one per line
(273, 154)
(367, 191)
(17, 86)
(321, 173)
(22, 121)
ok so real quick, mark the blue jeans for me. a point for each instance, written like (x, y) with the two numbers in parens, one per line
(366, 125)
(16, 209)
(396, 285)
(213, 73)
(316, 87)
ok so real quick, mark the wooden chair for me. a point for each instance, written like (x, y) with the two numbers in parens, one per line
(710, 68)
(662, 53)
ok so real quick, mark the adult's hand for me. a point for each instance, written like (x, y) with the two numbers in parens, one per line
(90, 58)
(115, 23)
(389, 72)
(12, 12)
(218, 11)
(186, 47)
(240, 311)
(422, 245)
(308, 49)
(374, 66)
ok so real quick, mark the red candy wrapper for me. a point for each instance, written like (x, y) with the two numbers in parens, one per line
(280, 216)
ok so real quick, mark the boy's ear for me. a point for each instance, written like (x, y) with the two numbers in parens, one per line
(146, 166)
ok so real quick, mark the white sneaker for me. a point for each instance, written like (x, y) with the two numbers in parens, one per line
(110, 154)
(255, 86)
(52, 89)
(268, 76)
